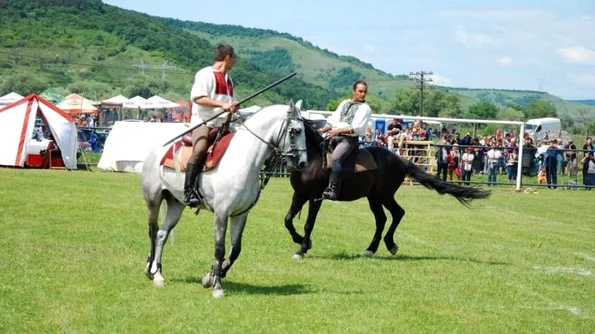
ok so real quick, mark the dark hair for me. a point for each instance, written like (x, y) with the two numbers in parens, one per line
(360, 82)
(222, 51)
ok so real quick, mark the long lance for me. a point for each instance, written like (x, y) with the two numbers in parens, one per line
(239, 103)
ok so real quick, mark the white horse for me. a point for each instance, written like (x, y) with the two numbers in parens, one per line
(230, 189)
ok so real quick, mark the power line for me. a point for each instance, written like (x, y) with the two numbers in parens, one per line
(419, 77)
(108, 66)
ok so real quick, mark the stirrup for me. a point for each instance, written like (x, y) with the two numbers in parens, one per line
(191, 198)
(330, 194)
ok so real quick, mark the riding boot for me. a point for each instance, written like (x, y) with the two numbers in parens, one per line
(334, 187)
(190, 195)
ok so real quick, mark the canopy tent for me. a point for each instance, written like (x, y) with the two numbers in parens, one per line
(17, 122)
(119, 101)
(139, 101)
(76, 104)
(10, 98)
(128, 144)
(157, 102)
(52, 95)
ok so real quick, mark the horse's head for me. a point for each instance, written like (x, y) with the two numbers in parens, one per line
(293, 144)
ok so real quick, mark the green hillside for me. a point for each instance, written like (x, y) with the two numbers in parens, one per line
(319, 66)
(95, 48)
(503, 98)
(88, 47)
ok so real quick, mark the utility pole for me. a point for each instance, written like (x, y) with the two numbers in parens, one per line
(163, 68)
(142, 66)
(421, 80)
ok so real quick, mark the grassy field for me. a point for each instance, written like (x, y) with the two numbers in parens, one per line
(74, 246)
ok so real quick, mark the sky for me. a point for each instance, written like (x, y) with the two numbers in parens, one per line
(537, 45)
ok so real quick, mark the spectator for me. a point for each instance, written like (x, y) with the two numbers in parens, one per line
(512, 165)
(588, 147)
(494, 156)
(529, 165)
(442, 158)
(467, 140)
(368, 139)
(589, 170)
(393, 131)
(453, 163)
(551, 165)
(380, 139)
(456, 139)
(571, 162)
(467, 165)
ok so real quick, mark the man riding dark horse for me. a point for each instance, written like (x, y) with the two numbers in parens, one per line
(344, 128)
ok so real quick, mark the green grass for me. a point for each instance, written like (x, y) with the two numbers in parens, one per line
(75, 243)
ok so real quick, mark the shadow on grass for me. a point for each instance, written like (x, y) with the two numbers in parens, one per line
(401, 257)
(280, 290)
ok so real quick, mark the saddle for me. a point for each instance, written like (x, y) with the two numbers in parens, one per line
(180, 151)
(361, 160)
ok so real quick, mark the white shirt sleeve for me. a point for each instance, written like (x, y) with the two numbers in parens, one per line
(204, 83)
(334, 119)
(361, 118)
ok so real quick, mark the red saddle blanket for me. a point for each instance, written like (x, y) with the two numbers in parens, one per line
(181, 152)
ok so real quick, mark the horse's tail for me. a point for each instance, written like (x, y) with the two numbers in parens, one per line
(463, 194)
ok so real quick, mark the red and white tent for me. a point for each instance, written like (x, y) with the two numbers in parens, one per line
(17, 122)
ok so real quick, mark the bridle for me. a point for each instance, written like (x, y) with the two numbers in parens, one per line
(292, 151)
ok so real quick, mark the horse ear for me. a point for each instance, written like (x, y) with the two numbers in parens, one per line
(299, 104)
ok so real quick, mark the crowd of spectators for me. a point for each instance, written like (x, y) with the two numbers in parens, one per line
(498, 155)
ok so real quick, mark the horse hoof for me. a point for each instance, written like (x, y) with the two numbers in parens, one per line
(160, 283)
(297, 257)
(148, 272)
(218, 293)
(207, 281)
(367, 253)
(394, 250)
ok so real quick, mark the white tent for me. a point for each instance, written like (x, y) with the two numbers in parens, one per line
(10, 98)
(128, 143)
(141, 102)
(157, 102)
(17, 122)
(120, 101)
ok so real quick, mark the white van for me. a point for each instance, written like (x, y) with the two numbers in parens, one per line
(543, 128)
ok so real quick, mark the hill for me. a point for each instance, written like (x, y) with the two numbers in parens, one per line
(88, 47)
(504, 97)
(284, 52)
(102, 50)
(587, 102)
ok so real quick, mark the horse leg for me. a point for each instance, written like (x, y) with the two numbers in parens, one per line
(153, 214)
(213, 279)
(237, 229)
(297, 202)
(172, 217)
(397, 214)
(380, 217)
(313, 208)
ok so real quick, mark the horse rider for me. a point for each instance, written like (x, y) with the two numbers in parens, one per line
(212, 89)
(344, 127)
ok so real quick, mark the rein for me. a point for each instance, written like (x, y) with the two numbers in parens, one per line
(278, 155)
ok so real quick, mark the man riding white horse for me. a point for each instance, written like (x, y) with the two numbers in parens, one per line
(344, 127)
(212, 89)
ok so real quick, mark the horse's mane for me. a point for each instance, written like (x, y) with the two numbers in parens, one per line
(313, 138)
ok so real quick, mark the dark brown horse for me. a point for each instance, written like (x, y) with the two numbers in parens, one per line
(379, 186)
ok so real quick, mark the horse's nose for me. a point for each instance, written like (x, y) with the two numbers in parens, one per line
(302, 165)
